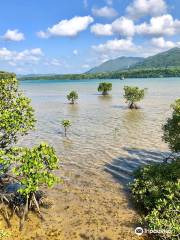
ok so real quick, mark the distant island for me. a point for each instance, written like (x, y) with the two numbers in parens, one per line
(165, 64)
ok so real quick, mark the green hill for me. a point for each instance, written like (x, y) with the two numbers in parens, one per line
(170, 58)
(117, 64)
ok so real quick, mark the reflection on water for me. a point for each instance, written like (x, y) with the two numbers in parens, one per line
(105, 99)
(73, 108)
(133, 116)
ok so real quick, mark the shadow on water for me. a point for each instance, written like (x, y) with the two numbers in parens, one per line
(105, 99)
(132, 115)
(122, 168)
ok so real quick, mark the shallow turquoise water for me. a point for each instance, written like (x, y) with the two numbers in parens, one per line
(105, 135)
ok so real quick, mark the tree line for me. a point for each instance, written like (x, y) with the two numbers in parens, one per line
(130, 73)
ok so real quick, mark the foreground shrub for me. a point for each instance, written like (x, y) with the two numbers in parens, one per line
(133, 95)
(156, 190)
(32, 169)
(172, 128)
(16, 113)
(27, 168)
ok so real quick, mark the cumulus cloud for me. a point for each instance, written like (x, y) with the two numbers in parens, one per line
(162, 43)
(67, 28)
(117, 46)
(160, 26)
(121, 26)
(13, 35)
(28, 55)
(140, 8)
(102, 29)
(105, 11)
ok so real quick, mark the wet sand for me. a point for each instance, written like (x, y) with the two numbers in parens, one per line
(90, 207)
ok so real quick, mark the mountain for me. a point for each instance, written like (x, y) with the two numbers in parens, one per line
(117, 64)
(170, 58)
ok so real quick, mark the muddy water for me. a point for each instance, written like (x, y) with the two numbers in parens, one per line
(106, 142)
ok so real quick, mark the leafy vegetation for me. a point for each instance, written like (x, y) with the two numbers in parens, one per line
(28, 168)
(133, 95)
(16, 114)
(72, 96)
(156, 190)
(66, 124)
(172, 128)
(105, 87)
(156, 187)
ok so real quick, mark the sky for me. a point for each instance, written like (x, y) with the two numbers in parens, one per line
(72, 36)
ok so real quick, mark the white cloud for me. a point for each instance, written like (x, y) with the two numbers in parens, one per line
(13, 35)
(118, 46)
(159, 26)
(69, 28)
(105, 11)
(102, 29)
(75, 52)
(162, 43)
(123, 26)
(5, 54)
(28, 55)
(140, 8)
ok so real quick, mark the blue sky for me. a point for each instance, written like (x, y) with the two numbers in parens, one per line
(71, 36)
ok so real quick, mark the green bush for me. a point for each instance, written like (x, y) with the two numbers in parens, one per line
(105, 87)
(31, 168)
(172, 128)
(133, 95)
(72, 96)
(156, 190)
(16, 113)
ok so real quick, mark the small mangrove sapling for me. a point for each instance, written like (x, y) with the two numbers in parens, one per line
(66, 124)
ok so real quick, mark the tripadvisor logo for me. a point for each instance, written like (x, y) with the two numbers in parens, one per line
(139, 231)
